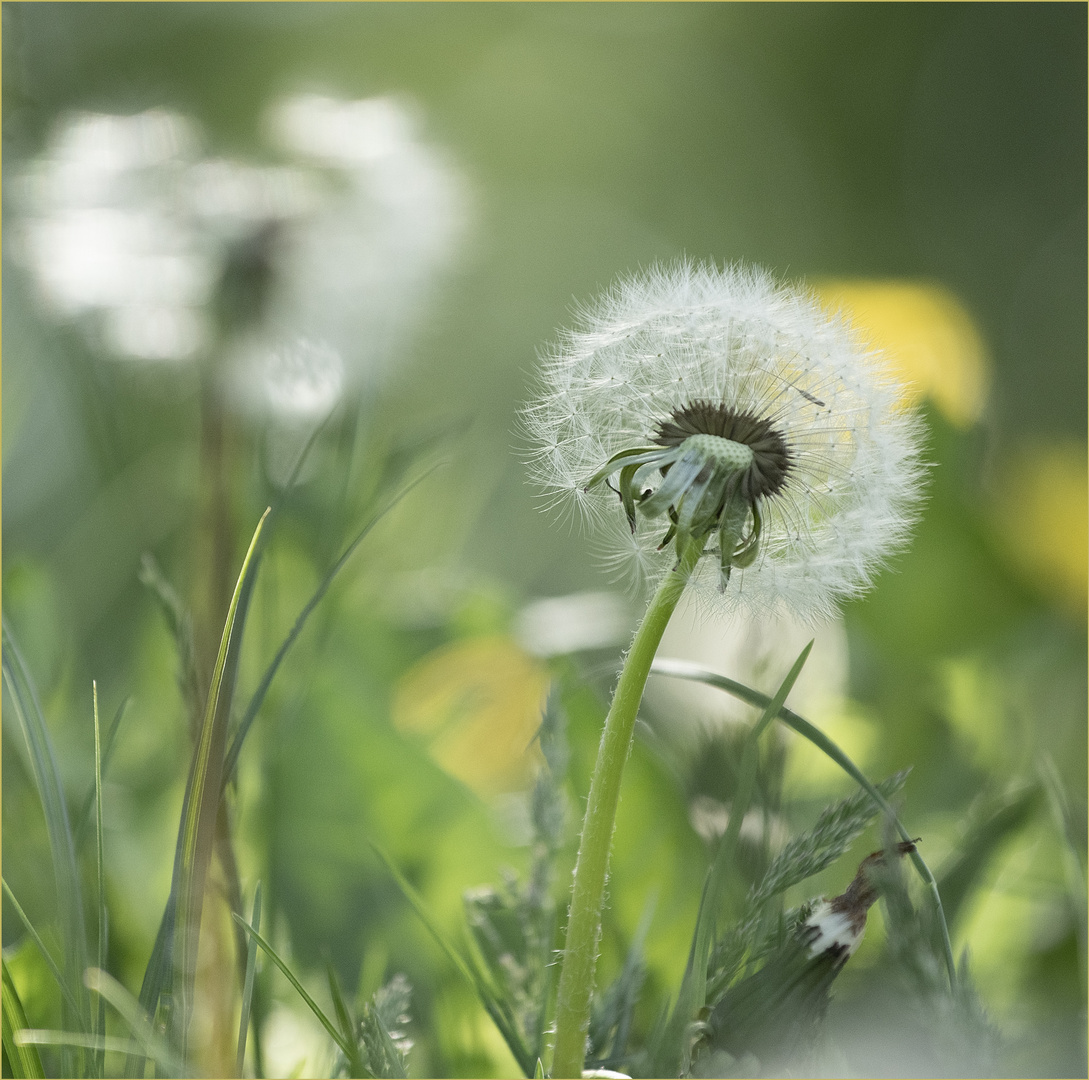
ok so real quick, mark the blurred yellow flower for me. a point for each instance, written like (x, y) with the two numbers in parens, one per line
(930, 338)
(1042, 515)
(477, 705)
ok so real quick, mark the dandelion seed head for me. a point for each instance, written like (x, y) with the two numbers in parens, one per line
(693, 344)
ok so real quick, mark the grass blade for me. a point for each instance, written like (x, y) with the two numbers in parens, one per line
(960, 876)
(100, 1027)
(347, 1024)
(196, 835)
(180, 624)
(46, 955)
(326, 1023)
(28, 711)
(693, 989)
(1073, 860)
(247, 989)
(83, 818)
(22, 1059)
(31, 1037)
(682, 669)
(494, 1004)
(156, 974)
(258, 698)
(149, 1044)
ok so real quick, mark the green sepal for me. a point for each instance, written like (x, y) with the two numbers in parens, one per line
(725, 554)
(746, 554)
(627, 496)
(673, 486)
(642, 453)
(731, 525)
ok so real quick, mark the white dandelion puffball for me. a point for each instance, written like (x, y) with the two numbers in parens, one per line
(696, 393)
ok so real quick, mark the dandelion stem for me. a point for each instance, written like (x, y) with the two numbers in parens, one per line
(591, 869)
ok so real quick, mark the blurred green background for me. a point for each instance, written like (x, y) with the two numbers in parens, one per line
(937, 149)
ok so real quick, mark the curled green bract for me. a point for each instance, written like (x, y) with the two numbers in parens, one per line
(701, 491)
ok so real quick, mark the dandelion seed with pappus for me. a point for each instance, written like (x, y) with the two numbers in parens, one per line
(727, 434)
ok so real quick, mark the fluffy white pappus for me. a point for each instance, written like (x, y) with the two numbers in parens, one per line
(834, 930)
(734, 337)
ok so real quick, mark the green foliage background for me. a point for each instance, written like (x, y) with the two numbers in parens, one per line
(917, 141)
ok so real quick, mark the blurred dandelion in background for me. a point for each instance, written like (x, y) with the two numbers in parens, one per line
(108, 235)
(354, 274)
(303, 277)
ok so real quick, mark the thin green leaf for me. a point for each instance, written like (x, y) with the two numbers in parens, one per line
(1073, 860)
(990, 829)
(326, 1023)
(157, 974)
(258, 698)
(46, 954)
(180, 623)
(148, 1042)
(196, 834)
(100, 1059)
(344, 1019)
(28, 711)
(693, 991)
(247, 988)
(682, 669)
(83, 818)
(303, 454)
(31, 1037)
(22, 1059)
(496, 1007)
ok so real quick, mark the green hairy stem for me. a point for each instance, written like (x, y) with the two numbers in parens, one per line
(591, 870)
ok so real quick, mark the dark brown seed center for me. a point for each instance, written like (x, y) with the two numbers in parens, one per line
(772, 460)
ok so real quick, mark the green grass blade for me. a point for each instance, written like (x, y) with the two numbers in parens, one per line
(32, 1037)
(693, 989)
(326, 1023)
(196, 834)
(22, 1059)
(157, 974)
(340, 1006)
(180, 624)
(100, 1026)
(493, 1002)
(28, 712)
(1073, 859)
(682, 669)
(247, 989)
(83, 818)
(149, 1043)
(960, 876)
(46, 954)
(258, 698)
(356, 1066)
